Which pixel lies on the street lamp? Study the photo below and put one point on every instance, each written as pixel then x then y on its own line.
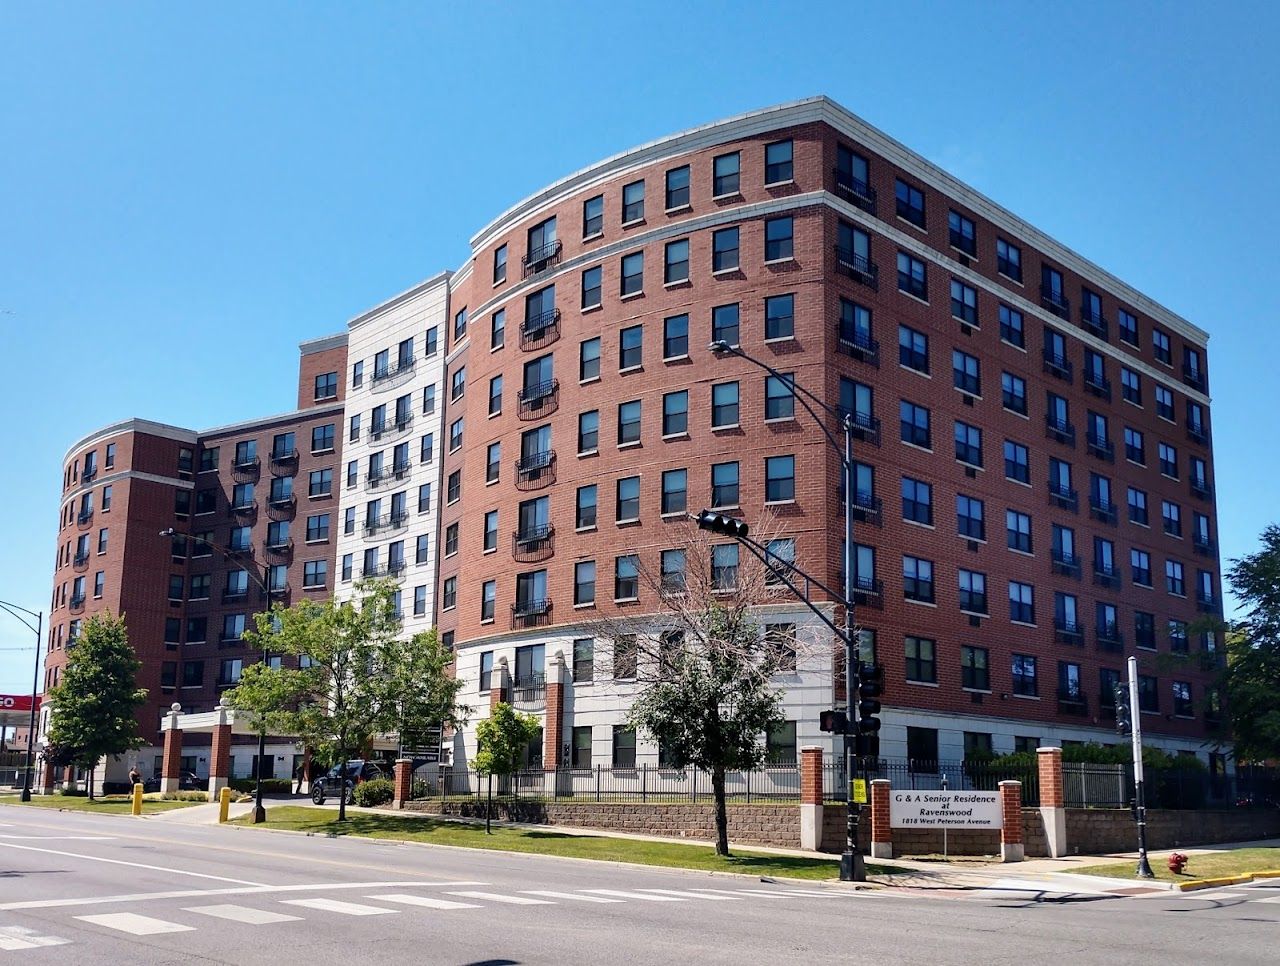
pixel 852 866
pixel 38 630
pixel 259 812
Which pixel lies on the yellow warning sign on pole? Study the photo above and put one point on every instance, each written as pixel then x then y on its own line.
pixel 858 791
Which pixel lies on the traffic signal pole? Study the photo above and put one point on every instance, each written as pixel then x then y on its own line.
pixel 852 866
pixel 1139 791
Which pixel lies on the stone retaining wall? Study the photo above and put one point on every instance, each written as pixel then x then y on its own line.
pixel 1095 830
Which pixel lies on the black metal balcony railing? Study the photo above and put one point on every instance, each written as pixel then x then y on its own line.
pixel 1072 701
pixel 856 191
pixel 1193 377
pixel 1100 386
pixel 536 470
pixel 1060 430
pixel 538 331
pixel 1064 496
pixel 1104 449
pixel 1094 322
pixel 1103 510
pixel 539 400
pixel 1067 632
pixel 89 475
pixel 529 690
pixel 1105 576
pixel 865 426
pixel 77 601
pixel 392 568
pixel 1055 302
pixel 241 469
pixel 858 267
pixel 282 507
pixel 1203 545
pixel 284 458
pixel 389 521
pixel 1206 603
pixel 401 368
pixel 533 543
pixel 866 505
pixel 281 548
pixel 859 344
pixel 81 560
pixel 868 591
pixel 541 258
pixel 84 516
pixel 530 613
pixel 1201 489
pixel 1197 434
pixel 1058 365
pixel 242 509
pixel 375 478
pixel 235 593
pixel 241 550
pixel 1109 638
pixel 1066 564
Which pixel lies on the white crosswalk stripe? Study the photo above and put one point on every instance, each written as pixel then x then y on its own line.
pixel 134 924
pixel 14 938
pixel 338 906
pixel 694 895
pixel 1267 899
pixel 738 892
pixel 498 897
pixel 567 895
pixel 252 917
pixel 424 901
pixel 621 894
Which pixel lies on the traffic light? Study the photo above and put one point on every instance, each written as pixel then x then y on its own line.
pixel 1124 714
pixel 833 721
pixel 719 523
pixel 870 688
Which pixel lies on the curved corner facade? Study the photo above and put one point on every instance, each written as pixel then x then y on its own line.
pixel 1034 487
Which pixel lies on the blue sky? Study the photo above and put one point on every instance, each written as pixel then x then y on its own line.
pixel 186 194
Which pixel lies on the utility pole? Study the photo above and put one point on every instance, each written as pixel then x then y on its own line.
pixel 1140 810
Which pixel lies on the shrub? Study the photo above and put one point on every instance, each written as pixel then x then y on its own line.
pixel 376 792
pixel 270 786
pixel 188 796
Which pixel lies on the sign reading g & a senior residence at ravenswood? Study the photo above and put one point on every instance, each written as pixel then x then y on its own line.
pixel 932 809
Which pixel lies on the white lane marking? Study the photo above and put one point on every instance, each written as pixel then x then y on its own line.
pixel 13 938
pixel 136 865
pixel 201 893
pixel 812 893
pixel 1214 896
pixel 423 901
pixel 621 894
pixel 499 897
pixel 252 917
pixel 134 924
pixel 61 838
pixel 683 894
pixel 1268 899
pixel 738 892
pixel 345 908
pixel 552 894
pixel 788 894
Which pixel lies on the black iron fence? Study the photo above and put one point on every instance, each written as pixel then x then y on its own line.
pixel 1111 786
pixel 973 775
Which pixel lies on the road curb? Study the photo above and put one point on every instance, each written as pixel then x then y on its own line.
pixel 1225 880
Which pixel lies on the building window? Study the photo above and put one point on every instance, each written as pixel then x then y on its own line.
pixel 912 278
pixel 453 490
pixel 460 317
pixel 1160 346
pixel 326 386
pixel 675 413
pixel 585 512
pixel 583 660
pixel 913 349
pixel 627 508
pixel 490 532
pixel 917 501
pixel 632 202
pixel 724 405
pixel 631 347
pixel 318 527
pixel 1130 386
pixel 779 321
pixel 626 586
pixel 724 250
pixel 500 264
pixel 593 217
pixel 1011 330
pixel 914 422
pixel 673 571
pixel 910 202
pixel 592 285
pixel 674 491
pixel 1174 581
pixel 629 422
pixel 961 233
pixel 1182 707
pixel 1013 393
pixel 1022 608
pixel 964 302
pixel 589 360
pixel 1016 462
pixel 1127 323
pixel 1137 506
pixel 498 330
pixel 1024 676
pixel 678 188
pixel 315 574
pixel 450 593
pixel 724 485
pixel 675 337
pixel 584 582
pixel 968 444
pixel 1018 526
pixel 726 170
pixel 320 483
pixel 779 397
pixel 922 667
pixel 777 162
pixel 1008 259
pixel 917 579
pixel 966 374
pixel 973 592
pixel 975 675
pixel 724 324
pixel 321 438
pixel 780 479
pixel 779 238
pixel 1148 693
pixel 493 462
pixel 724 567
pixel 970 517
pixel 632 273
pixel 1164 403
pixel 1144 630
pixel 588 432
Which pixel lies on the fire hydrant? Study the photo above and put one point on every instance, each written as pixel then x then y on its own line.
pixel 1177 862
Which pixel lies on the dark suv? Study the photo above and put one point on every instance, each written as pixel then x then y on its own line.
pixel 357 771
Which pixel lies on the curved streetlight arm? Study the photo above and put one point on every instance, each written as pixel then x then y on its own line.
pixel 720 347
pixel 14 609
pixel 17 610
pixel 765 558
pixel 223 553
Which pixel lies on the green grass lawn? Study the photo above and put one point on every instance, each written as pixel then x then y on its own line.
pixel 1207 866
pixel 542 842
pixel 108 805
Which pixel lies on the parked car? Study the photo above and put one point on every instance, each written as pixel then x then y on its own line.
pixel 358 771
pixel 188 781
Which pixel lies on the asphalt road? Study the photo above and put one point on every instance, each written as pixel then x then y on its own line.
pixel 93 889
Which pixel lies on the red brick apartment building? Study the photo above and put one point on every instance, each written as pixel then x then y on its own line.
pixel 1034 491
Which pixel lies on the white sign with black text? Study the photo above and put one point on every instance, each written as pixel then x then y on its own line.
pixel 934 809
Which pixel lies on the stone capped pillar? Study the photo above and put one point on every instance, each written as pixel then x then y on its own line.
pixel 499 684
pixel 404 782
pixel 220 754
pixel 1052 812
pixel 881 830
pixel 171 762
pixel 553 727
pixel 1011 847
pixel 811 797
pixel 47 782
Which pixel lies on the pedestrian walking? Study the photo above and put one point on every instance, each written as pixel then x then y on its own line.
pixel 135 776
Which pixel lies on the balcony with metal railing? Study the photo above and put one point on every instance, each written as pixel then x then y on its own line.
pixel 84 517
pixel 866 427
pixel 1063 496
pixel 1055 302
pixel 532 612
pixel 81 560
pixel 536 470
pixel 539 331
pixel 856 191
pixel 1067 632
pixel 539 400
pixel 858 267
pixel 233 594
pixel 866 506
pixel 279 550
pixel 1203 545
pixel 1057 365
pixel 529 691
pixel 1067 564
pixel 284 461
pixel 868 592
pixel 1197 434
pixel 1200 489
pixel 246 469
pixel 1106 576
pixel 1095 323
pixel 1104 449
pixel 1099 386
pixel 1193 377
pixel 1109 638
pixel 1102 510
pixel 76 603
pixel 393 375
pixel 385 523
pixel 859 344
pixel 1072 701
pixel 282 507
pixel 245 509
pixel 392 568
pixel 89 475
pixel 1206 603
pixel 533 543
pixel 541 258
pixel 1060 431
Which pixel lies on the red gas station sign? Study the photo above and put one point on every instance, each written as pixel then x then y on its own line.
pixel 17 703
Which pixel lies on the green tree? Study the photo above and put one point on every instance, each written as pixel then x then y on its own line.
pixel 1252 676
pixel 355 679
pixel 94 706
pixel 501 740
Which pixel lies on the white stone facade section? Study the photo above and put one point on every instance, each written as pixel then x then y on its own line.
pixel 389 509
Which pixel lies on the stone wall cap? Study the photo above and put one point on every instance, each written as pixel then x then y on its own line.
pixel 1048 751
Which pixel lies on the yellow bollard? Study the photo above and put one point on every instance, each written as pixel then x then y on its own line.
pixel 137 798
pixel 224 803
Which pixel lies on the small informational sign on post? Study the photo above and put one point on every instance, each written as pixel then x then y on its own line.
pixel 859 789
pixel 937 809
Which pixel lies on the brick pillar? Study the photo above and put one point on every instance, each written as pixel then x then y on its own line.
pixel 553 727
pixel 220 755
pixel 171 761
pixel 1011 849
pixel 404 782
pixel 1052 812
pixel 811 797
pixel 881 831
pixel 46 779
pixel 499 684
